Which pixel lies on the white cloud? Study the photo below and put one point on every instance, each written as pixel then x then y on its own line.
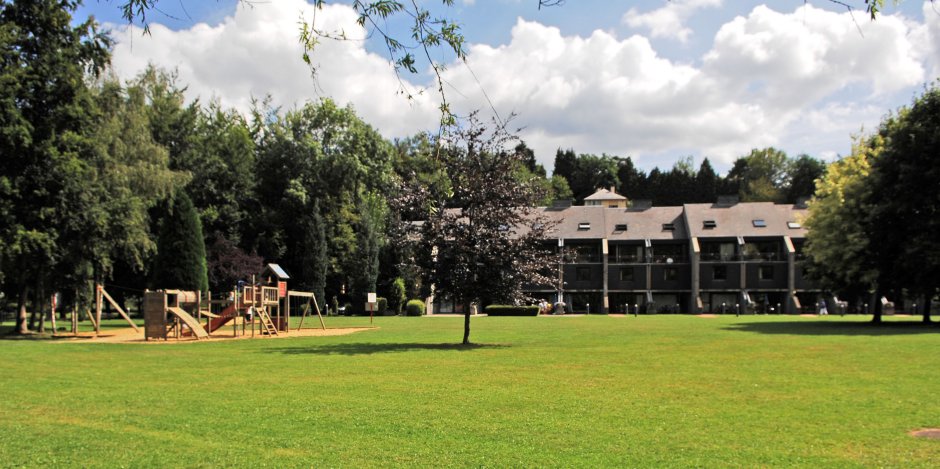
pixel 669 20
pixel 256 52
pixel 802 81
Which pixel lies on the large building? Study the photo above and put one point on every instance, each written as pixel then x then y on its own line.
pixel 718 257
pixel 693 258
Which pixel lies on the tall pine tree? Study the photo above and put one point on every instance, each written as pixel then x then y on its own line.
pixel 181 251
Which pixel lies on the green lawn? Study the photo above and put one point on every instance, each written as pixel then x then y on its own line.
pixel 550 391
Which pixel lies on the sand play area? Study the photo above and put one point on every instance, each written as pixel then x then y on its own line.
pixel 129 335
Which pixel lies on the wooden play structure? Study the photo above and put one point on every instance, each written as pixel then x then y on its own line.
pixel 262 307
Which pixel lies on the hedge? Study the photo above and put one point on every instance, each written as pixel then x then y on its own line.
pixel 414 308
pixel 509 310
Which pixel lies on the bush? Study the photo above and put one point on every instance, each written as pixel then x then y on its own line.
pixel 396 295
pixel 414 308
pixel 509 310
pixel 381 306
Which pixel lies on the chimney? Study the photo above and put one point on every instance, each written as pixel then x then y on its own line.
pixel 613 190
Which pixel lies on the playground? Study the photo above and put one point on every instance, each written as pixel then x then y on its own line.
pixel 262 308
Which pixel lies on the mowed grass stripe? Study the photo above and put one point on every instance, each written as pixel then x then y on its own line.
pixel 583 391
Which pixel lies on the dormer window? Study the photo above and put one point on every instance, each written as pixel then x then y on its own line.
pixel 759 223
pixel 709 224
pixel 584 226
pixel 620 227
pixel 669 227
pixel 794 225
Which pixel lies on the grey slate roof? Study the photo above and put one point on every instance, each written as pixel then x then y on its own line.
pixel 738 220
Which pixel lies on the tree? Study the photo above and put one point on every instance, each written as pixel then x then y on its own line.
pixel 838 247
pixel 804 171
pixel 488 247
pixel 46 110
pixel 227 264
pixel 565 163
pixel 631 178
pixel 315 259
pixel 181 251
pixel 706 182
pixel 904 204
pixel 590 173
pixel 762 175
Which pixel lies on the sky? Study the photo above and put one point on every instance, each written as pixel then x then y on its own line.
pixel 653 80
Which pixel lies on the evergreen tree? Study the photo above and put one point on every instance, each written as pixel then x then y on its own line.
pixel 314 254
pixel 706 183
pixel 181 251
pixel 631 178
pixel 565 163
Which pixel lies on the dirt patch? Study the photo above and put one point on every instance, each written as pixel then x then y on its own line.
pixel 808 315
pixel 129 335
pixel 707 315
pixel 929 433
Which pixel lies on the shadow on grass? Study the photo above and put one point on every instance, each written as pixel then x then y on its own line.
pixel 838 328
pixel 366 348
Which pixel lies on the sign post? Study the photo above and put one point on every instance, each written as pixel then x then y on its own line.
pixel 371 299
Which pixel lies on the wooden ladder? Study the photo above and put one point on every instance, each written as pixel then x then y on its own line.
pixel 266 321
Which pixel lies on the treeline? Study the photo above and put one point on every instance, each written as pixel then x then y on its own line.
pixel 764 175
pixel 126 183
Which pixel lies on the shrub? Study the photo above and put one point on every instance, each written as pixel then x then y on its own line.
pixel 509 310
pixel 382 305
pixel 414 308
pixel 396 295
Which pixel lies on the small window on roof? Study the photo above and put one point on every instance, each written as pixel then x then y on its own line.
pixel 709 224
pixel 620 227
pixel 584 226
pixel 794 225
pixel 503 227
pixel 759 223
pixel 669 226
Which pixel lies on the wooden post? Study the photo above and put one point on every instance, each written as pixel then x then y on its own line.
pixel 116 306
pixel 75 318
pixel 317 306
pixel 91 318
pixel 97 309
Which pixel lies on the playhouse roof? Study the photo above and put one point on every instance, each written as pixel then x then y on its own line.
pixel 276 270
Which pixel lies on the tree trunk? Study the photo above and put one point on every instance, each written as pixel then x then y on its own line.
pixel 876 303
pixel 927 300
pixel 466 324
pixel 40 309
pixel 20 327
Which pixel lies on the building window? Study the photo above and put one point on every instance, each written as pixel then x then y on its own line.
pixel 669 227
pixel 720 272
pixel 583 253
pixel 620 227
pixel 670 274
pixel 624 253
pixel 709 224
pixel 626 274
pixel 759 223
pixel 583 274
pixel 765 272
pixel 584 226
pixel 794 225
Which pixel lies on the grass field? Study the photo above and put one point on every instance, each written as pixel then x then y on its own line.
pixel 550 391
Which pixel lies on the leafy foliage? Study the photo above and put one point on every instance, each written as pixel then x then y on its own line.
pixel 181 251
pixel 489 244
